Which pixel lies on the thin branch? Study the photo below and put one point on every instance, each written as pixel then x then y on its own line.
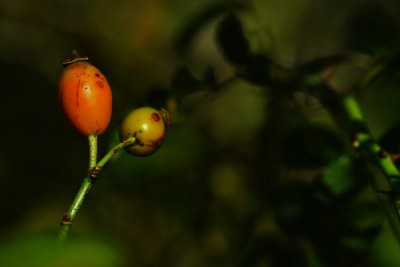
pixel 115 150
pixel 92 138
pixel 363 140
pixel 87 184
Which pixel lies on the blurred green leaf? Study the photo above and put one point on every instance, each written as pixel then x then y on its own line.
pixel 197 22
pixel 183 82
pixel 232 40
pixel 183 148
pixel 311 146
pixel 372 27
pixel 43 251
pixel 340 176
pixel 385 250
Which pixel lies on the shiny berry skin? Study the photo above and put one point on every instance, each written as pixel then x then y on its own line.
pixel 148 126
pixel 85 96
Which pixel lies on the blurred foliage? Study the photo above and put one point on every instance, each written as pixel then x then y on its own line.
pixel 41 251
pixel 256 169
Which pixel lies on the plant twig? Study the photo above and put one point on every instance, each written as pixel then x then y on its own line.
pixel 364 140
pixel 92 138
pixel 88 181
pixel 115 150
pixel 66 221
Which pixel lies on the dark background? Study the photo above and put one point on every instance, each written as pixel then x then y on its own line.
pixel 248 175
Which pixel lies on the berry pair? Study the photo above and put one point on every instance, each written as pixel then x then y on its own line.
pixel 86 100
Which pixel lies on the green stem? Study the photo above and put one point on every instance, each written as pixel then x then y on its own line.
pixel 87 184
pixel 363 140
pixel 88 181
pixel 68 218
pixel 115 150
pixel 92 138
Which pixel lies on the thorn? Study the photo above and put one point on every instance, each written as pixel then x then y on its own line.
pixel 394 157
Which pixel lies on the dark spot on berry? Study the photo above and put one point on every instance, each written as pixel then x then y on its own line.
pixel 137 141
pixel 98 126
pixel 155 117
pixel 97 75
pixel 100 84
pixel 157 143
pixel 77 93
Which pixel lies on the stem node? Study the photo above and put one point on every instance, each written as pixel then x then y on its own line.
pixel 94 173
pixel 66 220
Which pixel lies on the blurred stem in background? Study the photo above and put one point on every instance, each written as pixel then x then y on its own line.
pixel 364 141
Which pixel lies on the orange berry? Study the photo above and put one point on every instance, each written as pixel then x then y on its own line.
pixel 85 96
